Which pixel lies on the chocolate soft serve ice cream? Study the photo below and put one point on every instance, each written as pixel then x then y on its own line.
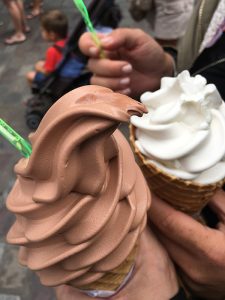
pixel 181 140
pixel 80 199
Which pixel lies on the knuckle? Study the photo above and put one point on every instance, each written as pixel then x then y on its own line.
pixel 93 80
pixel 138 31
pixel 217 258
pixel 90 64
pixel 197 276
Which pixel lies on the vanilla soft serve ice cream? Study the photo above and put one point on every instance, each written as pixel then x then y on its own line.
pixel 183 132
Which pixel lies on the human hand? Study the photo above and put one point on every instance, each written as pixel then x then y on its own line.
pixel 39 66
pixel 198 250
pixel 134 61
pixel 153 278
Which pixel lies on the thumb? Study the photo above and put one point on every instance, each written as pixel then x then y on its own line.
pixel 176 225
pixel 124 38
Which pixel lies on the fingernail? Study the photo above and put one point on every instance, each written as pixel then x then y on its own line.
pixel 125 80
pixel 127 69
pixel 126 91
pixel 93 50
pixel 106 40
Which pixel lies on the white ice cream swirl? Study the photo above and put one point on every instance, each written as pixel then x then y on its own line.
pixel 184 130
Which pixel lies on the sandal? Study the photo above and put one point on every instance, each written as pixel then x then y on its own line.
pixel 13 40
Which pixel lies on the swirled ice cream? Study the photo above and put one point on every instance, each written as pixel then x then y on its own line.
pixel 80 199
pixel 183 132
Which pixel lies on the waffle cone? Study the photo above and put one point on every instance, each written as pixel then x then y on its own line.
pixel 112 280
pixel 184 195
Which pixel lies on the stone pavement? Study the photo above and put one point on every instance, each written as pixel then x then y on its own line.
pixel 16 282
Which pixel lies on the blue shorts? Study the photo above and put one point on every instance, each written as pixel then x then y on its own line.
pixel 39 78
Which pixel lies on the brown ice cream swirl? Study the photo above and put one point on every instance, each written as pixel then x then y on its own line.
pixel 80 199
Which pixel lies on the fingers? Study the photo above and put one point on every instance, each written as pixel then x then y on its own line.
pixel 117 85
pixel 121 37
pixel 111 74
pixel 87 45
pixel 65 292
pixel 185 232
pixel 109 68
pixel 179 227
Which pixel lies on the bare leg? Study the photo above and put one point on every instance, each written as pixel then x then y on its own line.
pixel 36 10
pixel 31 4
pixel 30 77
pixel 15 13
pixel 37 6
pixel 20 5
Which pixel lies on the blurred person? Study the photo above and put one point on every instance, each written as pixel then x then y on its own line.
pixel 167 19
pixel 16 10
pixel 35 9
pixel 54 28
pixel 74 64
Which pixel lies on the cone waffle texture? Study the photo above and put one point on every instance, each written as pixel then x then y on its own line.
pixel 112 280
pixel 184 195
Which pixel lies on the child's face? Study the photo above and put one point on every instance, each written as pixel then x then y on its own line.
pixel 47 35
pixel 44 34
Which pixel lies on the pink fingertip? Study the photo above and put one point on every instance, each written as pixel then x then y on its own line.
pixel 125 91
pixel 127 69
pixel 125 80
pixel 93 50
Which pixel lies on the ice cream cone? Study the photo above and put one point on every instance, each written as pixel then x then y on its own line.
pixel 86 204
pixel 113 280
pixel 184 195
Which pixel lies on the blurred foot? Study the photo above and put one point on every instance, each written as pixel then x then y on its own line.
pixel 15 39
pixel 33 14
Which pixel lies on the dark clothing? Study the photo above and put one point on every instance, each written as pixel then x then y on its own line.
pixel 211 65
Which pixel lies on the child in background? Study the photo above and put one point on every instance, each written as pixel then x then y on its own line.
pixel 54 28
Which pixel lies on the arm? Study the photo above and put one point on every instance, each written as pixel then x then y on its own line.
pixel 198 250
pixel 134 61
pixel 50 63
pixel 39 66
pixel 154 276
